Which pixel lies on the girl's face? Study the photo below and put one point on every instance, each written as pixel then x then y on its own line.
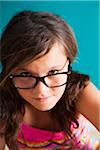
pixel 42 97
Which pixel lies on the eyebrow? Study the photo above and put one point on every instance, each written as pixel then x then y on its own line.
pixel 59 67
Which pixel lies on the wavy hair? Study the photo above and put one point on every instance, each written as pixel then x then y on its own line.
pixel 30 35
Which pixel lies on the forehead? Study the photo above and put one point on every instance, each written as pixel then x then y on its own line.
pixel 55 57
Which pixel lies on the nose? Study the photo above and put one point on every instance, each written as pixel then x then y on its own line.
pixel 41 90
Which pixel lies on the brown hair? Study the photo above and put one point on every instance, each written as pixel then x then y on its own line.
pixel 26 36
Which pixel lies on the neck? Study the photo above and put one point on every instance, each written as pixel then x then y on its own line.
pixel 40 119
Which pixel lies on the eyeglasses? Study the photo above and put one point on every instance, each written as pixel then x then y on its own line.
pixel 30 81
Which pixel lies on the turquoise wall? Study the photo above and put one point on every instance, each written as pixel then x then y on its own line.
pixel 83 16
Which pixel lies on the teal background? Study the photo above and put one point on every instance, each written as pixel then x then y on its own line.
pixel 83 16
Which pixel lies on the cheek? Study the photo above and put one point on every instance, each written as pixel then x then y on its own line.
pixel 58 92
pixel 24 94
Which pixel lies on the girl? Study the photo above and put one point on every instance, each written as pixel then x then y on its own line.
pixel 42 98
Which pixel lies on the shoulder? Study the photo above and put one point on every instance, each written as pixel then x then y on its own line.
pixel 90 91
pixel 89 95
pixel 88 103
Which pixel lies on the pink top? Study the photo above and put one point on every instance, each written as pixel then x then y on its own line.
pixel 38 139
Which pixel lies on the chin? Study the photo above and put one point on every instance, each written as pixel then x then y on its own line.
pixel 44 108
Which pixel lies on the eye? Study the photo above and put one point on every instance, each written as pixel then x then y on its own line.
pixel 25 74
pixel 51 72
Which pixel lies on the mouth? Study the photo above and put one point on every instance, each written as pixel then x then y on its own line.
pixel 42 99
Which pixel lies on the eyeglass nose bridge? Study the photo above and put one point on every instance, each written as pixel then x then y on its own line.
pixel 38 79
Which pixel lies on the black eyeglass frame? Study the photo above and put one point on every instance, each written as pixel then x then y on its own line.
pixel 42 79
